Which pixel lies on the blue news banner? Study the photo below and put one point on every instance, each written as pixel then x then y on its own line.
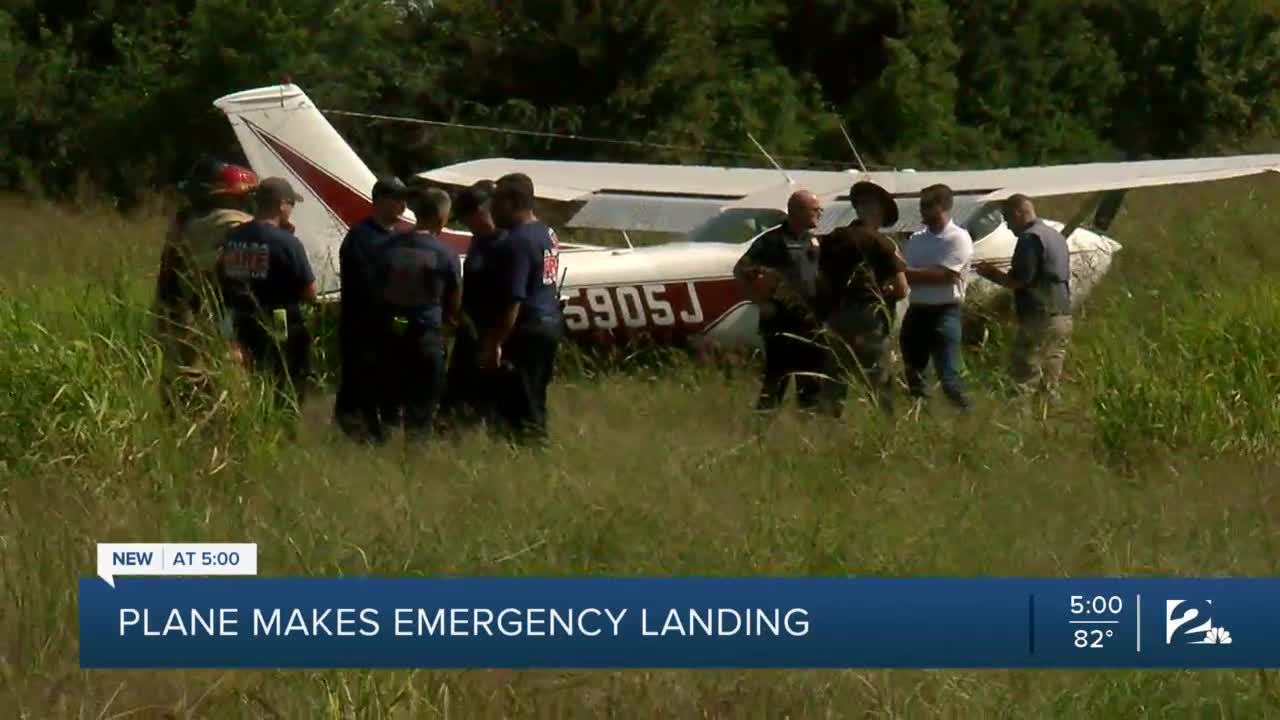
pixel 257 622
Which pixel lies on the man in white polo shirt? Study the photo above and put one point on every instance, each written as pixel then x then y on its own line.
pixel 937 259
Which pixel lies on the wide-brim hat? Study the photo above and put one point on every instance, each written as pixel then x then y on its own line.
pixel 888 205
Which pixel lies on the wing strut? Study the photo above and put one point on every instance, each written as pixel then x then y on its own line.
pixel 1089 206
pixel 1108 209
pixel 1104 206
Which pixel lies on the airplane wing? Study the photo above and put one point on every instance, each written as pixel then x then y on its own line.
pixel 1050 188
pixel 680 198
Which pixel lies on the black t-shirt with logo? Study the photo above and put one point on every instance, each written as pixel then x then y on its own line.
pixel 526 267
pixel 416 271
pixel 262 268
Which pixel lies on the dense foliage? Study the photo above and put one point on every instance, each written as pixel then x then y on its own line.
pixel 116 95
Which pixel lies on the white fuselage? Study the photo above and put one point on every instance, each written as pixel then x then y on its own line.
pixel 676 293
pixel 686 291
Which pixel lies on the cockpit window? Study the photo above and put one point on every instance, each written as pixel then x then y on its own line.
pixel 985 221
pixel 735 226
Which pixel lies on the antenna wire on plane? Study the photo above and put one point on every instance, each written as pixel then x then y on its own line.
pixel 571 136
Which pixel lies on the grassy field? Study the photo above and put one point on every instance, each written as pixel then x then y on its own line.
pixel 1160 461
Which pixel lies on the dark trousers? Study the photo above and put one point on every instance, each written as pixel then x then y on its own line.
pixel 361 407
pixel 528 360
pixel 286 362
pixel 933 332
pixel 414 377
pixel 469 396
pixel 786 353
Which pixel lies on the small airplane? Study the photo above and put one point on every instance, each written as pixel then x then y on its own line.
pixel 683 292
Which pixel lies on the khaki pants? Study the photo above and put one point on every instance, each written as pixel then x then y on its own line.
pixel 1038 353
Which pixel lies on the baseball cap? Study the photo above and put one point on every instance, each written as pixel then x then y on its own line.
pixel 389 187
pixel 277 189
pixel 470 200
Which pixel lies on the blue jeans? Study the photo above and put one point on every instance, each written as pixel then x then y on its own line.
pixel 933 332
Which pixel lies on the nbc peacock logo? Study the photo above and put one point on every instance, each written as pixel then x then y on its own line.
pixel 1190 622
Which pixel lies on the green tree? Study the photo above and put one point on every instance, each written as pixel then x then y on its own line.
pixel 662 71
pixel 1038 81
pixel 908 113
pixel 1198 76
pixel 120 92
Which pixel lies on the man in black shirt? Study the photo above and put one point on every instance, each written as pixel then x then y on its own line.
pixel 469 395
pixel 779 273
pixel 527 330
pixel 419 284
pixel 266 277
pixel 357 408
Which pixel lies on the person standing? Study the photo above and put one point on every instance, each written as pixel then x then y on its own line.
pixel 526 333
pixel 419 286
pixel 1040 277
pixel 469 396
pixel 266 277
pixel 357 408
pixel 217 197
pixel 861 278
pixel 937 258
pixel 779 274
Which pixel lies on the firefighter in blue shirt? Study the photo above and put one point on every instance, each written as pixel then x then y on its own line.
pixel 358 407
pixel 469 396
pixel 419 286
pixel 523 341
pixel 264 273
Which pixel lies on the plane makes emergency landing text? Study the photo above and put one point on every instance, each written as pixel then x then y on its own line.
pixel 465 622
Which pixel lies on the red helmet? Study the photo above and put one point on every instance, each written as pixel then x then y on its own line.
pixel 233 180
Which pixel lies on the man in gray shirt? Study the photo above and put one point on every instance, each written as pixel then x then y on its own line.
pixel 1040 277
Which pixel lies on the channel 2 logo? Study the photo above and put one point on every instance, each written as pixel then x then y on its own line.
pixel 1189 623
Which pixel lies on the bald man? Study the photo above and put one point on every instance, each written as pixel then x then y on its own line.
pixel 1040 277
pixel 779 273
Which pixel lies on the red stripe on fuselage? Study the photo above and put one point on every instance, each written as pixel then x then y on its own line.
pixel 347 205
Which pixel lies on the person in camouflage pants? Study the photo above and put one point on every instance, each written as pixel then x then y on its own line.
pixel 860 279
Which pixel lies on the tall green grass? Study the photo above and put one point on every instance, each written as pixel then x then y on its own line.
pixel 1159 461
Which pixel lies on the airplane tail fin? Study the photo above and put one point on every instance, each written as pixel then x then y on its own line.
pixel 283 134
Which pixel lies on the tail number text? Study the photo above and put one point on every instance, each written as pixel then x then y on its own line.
pixel 629 306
